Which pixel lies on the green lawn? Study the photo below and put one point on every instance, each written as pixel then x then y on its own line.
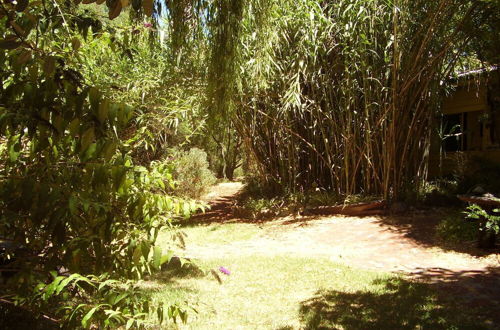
pixel 221 233
pixel 291 292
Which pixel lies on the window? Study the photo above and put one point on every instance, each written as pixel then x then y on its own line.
pixel 454 128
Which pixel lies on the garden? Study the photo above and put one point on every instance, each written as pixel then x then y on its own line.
pixel 234 164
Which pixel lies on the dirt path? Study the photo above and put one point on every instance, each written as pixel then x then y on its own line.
pixel 405 245
pixel 368 242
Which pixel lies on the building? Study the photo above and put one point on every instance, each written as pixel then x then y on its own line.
pixel 469 128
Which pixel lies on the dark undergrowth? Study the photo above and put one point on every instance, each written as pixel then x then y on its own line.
pixel 16 318
pixel 260 200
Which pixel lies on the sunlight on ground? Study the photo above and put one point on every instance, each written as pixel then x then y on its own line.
pixel 221 233
pixel 261 292
pixel 293 291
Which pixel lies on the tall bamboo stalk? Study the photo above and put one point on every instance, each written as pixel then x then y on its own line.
pixel 341 94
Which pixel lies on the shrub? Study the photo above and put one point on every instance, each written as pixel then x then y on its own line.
pixel 441 193
pixel 491 222
pixel 454 228
pixel 71 193
pixel 192 175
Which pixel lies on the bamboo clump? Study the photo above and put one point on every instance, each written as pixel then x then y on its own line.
pixel 343 95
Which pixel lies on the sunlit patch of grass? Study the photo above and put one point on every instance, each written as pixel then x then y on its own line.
pixel 261 292
pixel 215 233
pixel 295 292
pixel 290 292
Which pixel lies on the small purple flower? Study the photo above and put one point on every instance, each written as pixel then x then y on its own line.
pixel 148 25
pixel 224 270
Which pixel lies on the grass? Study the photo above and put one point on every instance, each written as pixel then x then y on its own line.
pixel 292 292
pixel 220 233
pixel 211 234
pixel 261 292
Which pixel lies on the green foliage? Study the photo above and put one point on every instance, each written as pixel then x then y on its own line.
pixel 331 95
pixel 483 31
pixel 71 191
pixel 224 22
pixel 262 208
pixel 454 228
pixel 165 99
pixel 104 302
pixel 266 200
pixel 341 94
pixel 439 193
pixel 192 176
pixel 487 221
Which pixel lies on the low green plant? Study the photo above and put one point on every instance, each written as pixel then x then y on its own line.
pixel 262 208
pixel 103 302
pixel 487 221
pixel 265 208
pixel 455 229
pixel 441 192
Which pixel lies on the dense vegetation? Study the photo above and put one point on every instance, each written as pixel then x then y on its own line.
pixel 347 92
pixel 106 105
pixel 86 183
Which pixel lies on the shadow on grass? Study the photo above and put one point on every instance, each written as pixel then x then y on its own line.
pixel 477 288
pixel 398 304
pixel 174 270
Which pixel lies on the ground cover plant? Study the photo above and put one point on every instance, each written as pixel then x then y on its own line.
pixel 456 229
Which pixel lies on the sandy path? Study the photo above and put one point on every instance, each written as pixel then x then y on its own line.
pixel 367 242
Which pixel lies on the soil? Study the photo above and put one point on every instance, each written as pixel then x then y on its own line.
pixel 405 244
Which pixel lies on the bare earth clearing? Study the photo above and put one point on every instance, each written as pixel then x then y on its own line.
pixel 404 244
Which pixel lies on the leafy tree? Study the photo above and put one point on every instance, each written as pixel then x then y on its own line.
pixel 71 192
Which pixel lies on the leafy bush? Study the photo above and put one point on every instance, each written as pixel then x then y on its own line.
pixel 71 191
pixel 260 208
pixel 260 199
pixel 440 193
pixel 487 221
pixel 103 302
pixel 454 228
pixel 256 187
pixel 192 175
pixel 255 207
